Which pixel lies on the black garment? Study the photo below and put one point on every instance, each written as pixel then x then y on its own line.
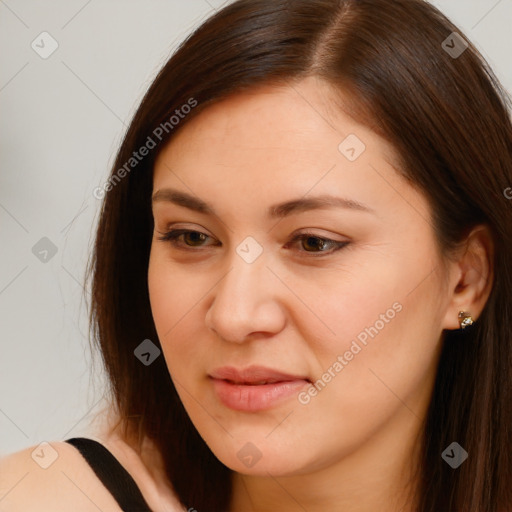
pixel 114 477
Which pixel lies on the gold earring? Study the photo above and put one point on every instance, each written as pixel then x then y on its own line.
pixel 465 319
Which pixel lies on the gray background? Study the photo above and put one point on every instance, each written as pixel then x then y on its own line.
pixel 61 121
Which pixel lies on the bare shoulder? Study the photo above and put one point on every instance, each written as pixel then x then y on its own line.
pixel 55 477
pixel 51 477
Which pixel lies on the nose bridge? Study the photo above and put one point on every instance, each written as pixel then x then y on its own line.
pixel 247 273
pixel 244 300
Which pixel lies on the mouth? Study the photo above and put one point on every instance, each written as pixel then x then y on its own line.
pixel 255 388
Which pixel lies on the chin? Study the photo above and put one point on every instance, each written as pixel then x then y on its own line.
pixel 258 456
pixel 268 465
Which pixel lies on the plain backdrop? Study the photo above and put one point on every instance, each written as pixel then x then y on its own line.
pixel 61 121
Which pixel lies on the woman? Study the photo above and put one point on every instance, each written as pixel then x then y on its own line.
pixel 301 280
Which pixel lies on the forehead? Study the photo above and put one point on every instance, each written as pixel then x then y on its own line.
pixel 304 115
pixel 273 141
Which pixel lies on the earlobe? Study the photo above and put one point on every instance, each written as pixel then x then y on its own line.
pixel 474 268
pixel 465 319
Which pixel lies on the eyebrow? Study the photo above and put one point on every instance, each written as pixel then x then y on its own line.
pixel 275 211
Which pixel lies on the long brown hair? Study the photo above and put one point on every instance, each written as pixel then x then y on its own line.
pixel 449 119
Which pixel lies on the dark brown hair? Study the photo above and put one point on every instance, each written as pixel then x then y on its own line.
pixel 448 118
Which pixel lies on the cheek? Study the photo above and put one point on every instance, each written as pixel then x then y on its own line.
pixel 384 354
pixel 169 295
pixel 356 301
pixel 176 294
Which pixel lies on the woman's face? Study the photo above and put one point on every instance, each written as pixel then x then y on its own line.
pixel 300 315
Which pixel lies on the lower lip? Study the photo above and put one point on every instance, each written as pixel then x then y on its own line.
pixel 258 397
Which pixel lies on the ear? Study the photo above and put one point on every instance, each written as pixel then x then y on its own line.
pixel 471 276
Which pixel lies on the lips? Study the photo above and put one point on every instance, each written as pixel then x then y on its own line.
pixel 254 388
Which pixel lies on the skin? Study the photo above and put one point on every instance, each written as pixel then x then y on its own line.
pixel 69 482
pixel 352 446
pixel 296 311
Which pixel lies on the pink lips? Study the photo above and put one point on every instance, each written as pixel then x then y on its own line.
pixel 254 388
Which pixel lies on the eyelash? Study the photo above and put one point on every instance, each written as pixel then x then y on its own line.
pixel 173 235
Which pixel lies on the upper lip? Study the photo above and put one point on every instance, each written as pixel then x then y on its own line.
pixel 253 374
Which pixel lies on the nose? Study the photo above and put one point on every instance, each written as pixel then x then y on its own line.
pixel 246 302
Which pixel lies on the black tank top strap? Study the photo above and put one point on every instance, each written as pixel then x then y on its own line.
pixel 112 474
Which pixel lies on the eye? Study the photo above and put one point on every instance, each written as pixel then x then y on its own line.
pixel 173 236
pixel 311 243
pixel 318 243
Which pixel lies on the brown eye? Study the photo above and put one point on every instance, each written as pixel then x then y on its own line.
pixel 194 237
pixel 316 244
pixel 190 238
